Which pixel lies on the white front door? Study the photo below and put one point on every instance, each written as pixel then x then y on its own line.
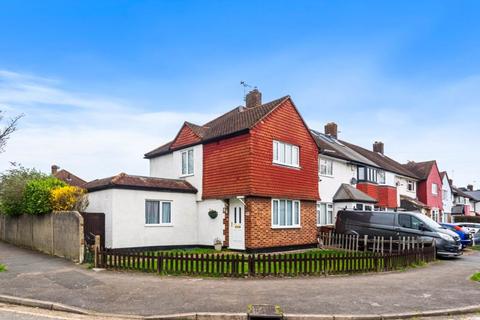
pixel 237 225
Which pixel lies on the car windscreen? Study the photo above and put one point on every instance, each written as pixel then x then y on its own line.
pixel 429 222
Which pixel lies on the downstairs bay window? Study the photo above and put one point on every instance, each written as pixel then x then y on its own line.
pixel 285 213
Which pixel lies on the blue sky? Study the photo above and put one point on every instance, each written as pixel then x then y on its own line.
pixel 102 82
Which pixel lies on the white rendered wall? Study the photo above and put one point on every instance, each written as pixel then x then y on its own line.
pixel 342 173
pixel 170 166
pixel 128 219
pixel 102 201
pixel 448 200
pixel 208 228
pixel 402 184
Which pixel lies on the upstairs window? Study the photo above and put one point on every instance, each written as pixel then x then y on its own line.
pixel 411 185
pixel 187 162
pixel 434 189
pixel 326 167
pixel 367 174
pixel 286 154
pixel 381 176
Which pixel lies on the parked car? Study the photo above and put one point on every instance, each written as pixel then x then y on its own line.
pixel 399 224
pixel 464 234
pixel 470 226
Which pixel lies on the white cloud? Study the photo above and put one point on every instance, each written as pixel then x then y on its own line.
pixel 91 136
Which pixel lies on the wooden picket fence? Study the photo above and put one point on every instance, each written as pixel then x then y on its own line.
pixel 373 244
pixel 242 265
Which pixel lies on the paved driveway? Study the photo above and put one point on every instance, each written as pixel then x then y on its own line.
pixel 442 285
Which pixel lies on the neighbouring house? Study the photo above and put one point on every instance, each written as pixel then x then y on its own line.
pixel 67 177
pixel 429 189
pixel 474 199
pixel 379 180
pixel 461 202
pixel 248 178
pixel 447 197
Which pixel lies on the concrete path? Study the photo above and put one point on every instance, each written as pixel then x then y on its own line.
pixel 442 285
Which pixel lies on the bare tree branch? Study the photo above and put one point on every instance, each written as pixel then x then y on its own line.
pixel 6 131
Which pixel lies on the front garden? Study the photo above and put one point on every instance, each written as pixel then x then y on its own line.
pixel 205 262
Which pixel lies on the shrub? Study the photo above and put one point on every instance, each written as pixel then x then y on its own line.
pixel 37 194
pixel 3 267
pixel 68 198
pixel 12 187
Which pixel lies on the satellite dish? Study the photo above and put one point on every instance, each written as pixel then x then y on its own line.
pixel 353 181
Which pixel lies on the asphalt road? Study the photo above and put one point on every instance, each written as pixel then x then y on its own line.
pixel 441 285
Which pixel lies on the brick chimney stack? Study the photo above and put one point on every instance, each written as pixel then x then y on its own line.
pixel 379 147
pixel 470 187
pixel 253 99
pixel 331 129
pixel 54 169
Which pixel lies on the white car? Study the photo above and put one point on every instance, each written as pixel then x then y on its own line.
pixel 471 227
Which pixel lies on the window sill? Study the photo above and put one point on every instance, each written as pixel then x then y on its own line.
pixel 187 175
pixel 286 227
pixel 286 165
pixel 158 225
pixel 326 175
pixel 326 225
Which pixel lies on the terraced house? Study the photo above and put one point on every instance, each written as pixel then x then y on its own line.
pixel 353 177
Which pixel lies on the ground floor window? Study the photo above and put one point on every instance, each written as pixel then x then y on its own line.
pixel 363 207
pixel 444 217
pixel 435 215
pixel 158 212
pixel 324 213
pixel 285 213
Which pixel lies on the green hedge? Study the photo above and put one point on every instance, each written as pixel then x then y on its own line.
pixel 37 195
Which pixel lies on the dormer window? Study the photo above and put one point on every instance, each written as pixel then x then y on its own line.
pixel 286 154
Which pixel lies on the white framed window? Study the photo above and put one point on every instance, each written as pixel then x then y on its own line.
pixel 434 189
pixel 286 154
pixel 158 212
pixel 367 174
pixel 326 167
pixel 285 213
pixel 324 213
pixel 187 162
pixel 381 176
pixel 435 215
pixel 411 185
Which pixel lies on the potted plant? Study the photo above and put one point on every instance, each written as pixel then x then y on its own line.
pixel 217 243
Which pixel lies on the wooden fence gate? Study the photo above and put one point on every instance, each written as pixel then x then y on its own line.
pixel 94 225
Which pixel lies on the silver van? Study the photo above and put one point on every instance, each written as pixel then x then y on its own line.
pixel 399 224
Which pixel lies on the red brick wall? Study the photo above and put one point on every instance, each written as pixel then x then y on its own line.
pixel 226 167
pixel 284 124
pixel 185 137
pixel 369 188
pixel 258 225
pixel 387 197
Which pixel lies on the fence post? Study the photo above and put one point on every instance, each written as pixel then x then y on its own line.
pixel 96 249
pixel 251 265
pixel 365 243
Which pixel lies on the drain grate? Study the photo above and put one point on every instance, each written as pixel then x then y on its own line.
pixel 264 311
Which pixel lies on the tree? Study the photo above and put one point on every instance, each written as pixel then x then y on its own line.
pixel 12 187
pixel 37 194
pixel 8 129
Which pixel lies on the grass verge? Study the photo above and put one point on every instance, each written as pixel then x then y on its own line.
pixel 475 277
pixel 476 248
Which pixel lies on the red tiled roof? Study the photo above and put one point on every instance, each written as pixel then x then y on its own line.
pixel 421 169
pixel 70 178
pixel 235 121
pixel 125 181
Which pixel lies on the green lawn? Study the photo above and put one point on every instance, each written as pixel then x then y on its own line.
pixel 475 277
pixel 3 267
pixel 213 263
pixel 476 248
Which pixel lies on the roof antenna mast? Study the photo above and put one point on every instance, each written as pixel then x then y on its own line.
pixel 245 86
